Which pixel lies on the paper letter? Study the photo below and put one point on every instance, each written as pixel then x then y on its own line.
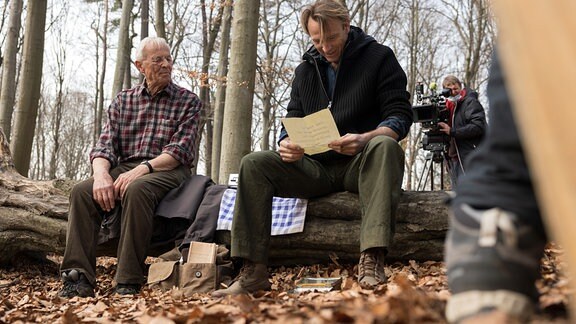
pixel 313 132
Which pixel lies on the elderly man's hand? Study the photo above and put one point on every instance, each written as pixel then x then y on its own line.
pixel 124 180
pixel 103 191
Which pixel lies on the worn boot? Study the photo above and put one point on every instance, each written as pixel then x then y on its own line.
pixel 75 284
pixel 492 261
pixel 371 268
pixel 253 277
pixel 127 289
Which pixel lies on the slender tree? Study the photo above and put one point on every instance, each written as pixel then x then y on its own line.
pixel 8 94
pixel 57 110
pixel 101 35
pixel 144 21
pixel 159 19
pixel 29 91
pixel 211 23
pixel 240 90
pixel 221 89
pixel 123 52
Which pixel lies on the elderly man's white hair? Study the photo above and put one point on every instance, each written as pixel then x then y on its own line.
pixel 149 42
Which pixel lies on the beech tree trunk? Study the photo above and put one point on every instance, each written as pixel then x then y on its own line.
pixel 27 104
pixel 33 216
pixel 236 129
pixel 9 65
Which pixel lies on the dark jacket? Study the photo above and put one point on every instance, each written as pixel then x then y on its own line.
pixel 468 125
pixel 370 89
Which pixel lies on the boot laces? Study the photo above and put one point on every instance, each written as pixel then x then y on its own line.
pixel 247 271
pixel 69 287
pixel 367 264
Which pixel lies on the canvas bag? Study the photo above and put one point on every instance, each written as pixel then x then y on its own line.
pixel 189 278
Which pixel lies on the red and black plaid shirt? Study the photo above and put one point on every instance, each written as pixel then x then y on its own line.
pixel 142 127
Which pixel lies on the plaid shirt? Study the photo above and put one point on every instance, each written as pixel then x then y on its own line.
pixel 142 127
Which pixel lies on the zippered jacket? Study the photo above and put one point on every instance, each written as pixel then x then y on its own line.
pixel 370 89
pixel 468 125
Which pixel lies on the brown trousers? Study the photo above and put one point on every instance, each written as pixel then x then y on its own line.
pixel 137 210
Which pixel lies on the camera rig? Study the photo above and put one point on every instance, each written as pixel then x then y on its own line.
pixel 429 111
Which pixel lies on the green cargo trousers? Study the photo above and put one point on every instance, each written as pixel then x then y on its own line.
pixel 137 212
pixel 375 174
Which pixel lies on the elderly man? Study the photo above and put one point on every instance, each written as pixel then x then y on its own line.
pixel 363 85
pixel 145 150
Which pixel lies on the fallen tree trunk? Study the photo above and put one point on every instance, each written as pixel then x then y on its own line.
pixel 332 230
pixel 33 217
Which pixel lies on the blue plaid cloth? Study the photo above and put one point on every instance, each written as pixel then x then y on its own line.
pixel 288 214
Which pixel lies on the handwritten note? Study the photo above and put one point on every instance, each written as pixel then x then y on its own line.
pixel 313 132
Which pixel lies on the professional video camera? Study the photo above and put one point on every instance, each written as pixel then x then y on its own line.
pixel 429 111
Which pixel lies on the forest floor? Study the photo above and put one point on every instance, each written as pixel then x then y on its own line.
pixel 416 293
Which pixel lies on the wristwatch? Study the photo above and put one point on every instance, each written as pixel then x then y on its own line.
pixel 147 163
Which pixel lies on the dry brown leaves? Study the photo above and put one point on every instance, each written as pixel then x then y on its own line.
pixel 416 293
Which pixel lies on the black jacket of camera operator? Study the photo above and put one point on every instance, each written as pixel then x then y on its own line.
pixel 468 126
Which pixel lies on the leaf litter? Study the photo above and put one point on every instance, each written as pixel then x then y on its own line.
pixel 416 292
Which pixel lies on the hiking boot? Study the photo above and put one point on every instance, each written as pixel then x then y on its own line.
pixel 492 261
pixel 253 277
pixel 371 268
pixel 75 284
pixel 127 289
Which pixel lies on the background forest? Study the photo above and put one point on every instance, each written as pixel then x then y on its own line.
pixel 84 47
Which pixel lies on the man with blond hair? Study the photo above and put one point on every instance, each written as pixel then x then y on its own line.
pixel 363 85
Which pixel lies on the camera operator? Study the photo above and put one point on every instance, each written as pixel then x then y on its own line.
pixel 466 125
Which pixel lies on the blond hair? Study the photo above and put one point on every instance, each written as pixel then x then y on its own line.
pixel 321 11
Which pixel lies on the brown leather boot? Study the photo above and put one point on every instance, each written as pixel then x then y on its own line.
pixel 253 277
pixel 371 268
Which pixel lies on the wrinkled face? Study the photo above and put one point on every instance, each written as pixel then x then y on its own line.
pixel 156 66
pixel 331 46
pixel 454 89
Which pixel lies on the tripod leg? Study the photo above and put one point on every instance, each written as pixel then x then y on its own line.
pixel 424 174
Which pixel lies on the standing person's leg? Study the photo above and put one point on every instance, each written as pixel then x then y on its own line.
pixel 496 237
pixel 138 210
pixel 376 174
pixel 455 172
pixel 264 175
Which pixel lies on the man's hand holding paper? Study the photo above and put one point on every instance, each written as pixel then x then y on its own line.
pixel 314 132
pixel 349 144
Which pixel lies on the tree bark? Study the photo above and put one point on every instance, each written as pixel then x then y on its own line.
pixel 159 15
pixel 221 92
pixel 9 68
pixel 123 52
pixel 29 90
pixel 236 135
pixel 144 20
